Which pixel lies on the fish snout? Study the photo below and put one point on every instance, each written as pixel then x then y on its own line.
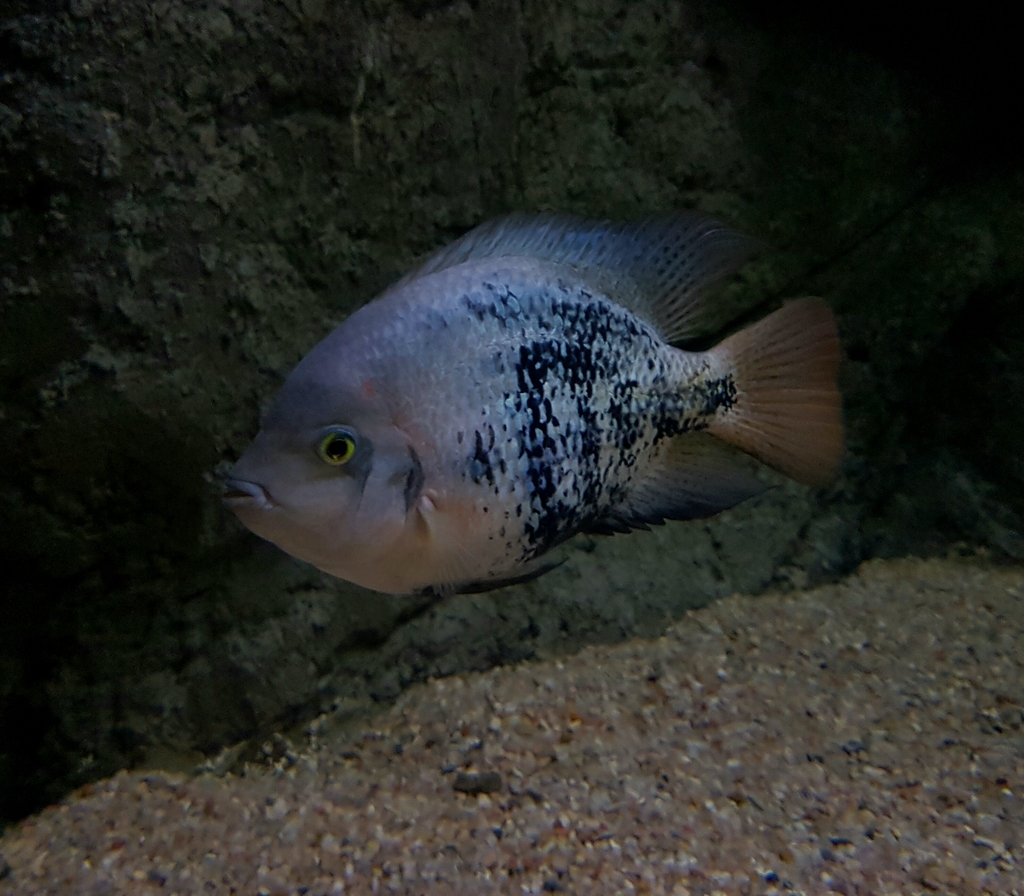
pixel 240 494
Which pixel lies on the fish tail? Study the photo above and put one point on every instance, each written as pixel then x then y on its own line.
pixel 787 410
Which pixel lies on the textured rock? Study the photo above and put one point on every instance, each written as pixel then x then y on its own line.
pixel 192 193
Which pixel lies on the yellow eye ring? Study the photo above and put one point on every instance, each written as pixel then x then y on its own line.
pixel 337 448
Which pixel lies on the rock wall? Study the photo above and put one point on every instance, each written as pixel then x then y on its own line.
pixel 192 193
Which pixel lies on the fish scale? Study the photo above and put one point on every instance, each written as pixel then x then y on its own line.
pixel 580 393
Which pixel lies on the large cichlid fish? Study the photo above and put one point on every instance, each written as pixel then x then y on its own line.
pixel 521 387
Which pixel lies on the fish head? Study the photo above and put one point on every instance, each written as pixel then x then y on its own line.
pixel 330 477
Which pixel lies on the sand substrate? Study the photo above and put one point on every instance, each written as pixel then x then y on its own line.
pixel 861 738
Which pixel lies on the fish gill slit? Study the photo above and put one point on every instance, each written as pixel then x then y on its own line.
pixel 414 480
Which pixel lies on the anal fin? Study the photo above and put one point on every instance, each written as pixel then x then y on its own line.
pixel 693 477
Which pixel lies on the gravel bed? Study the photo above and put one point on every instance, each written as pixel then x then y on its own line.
pixel 861 738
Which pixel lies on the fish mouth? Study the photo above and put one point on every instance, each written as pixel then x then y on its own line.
pixel 240 493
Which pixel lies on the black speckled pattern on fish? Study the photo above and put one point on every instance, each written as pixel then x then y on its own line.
pixel 588 392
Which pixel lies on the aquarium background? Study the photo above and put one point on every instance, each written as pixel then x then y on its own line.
pixel 193 193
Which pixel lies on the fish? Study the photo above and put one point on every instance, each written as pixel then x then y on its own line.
pixel 530 382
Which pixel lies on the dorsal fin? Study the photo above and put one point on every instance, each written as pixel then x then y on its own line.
pixel 662 268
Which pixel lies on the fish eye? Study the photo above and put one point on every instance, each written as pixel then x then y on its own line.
pixel 337 447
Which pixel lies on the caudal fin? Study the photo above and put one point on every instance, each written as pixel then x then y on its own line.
pixel 788 411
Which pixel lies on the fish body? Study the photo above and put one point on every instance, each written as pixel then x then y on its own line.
pixel 520 388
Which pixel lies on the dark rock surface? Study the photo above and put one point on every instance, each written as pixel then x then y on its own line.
pixel 192 193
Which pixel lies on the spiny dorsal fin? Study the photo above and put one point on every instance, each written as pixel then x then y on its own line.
pixel 662 268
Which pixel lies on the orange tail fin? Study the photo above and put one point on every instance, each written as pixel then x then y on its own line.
pixel 788 411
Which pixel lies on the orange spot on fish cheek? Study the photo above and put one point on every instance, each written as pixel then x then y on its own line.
pixel 367 390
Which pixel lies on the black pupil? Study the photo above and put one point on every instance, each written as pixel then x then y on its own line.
pixel 337 447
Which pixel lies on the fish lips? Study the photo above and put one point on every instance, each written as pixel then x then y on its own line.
pixel 240 494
